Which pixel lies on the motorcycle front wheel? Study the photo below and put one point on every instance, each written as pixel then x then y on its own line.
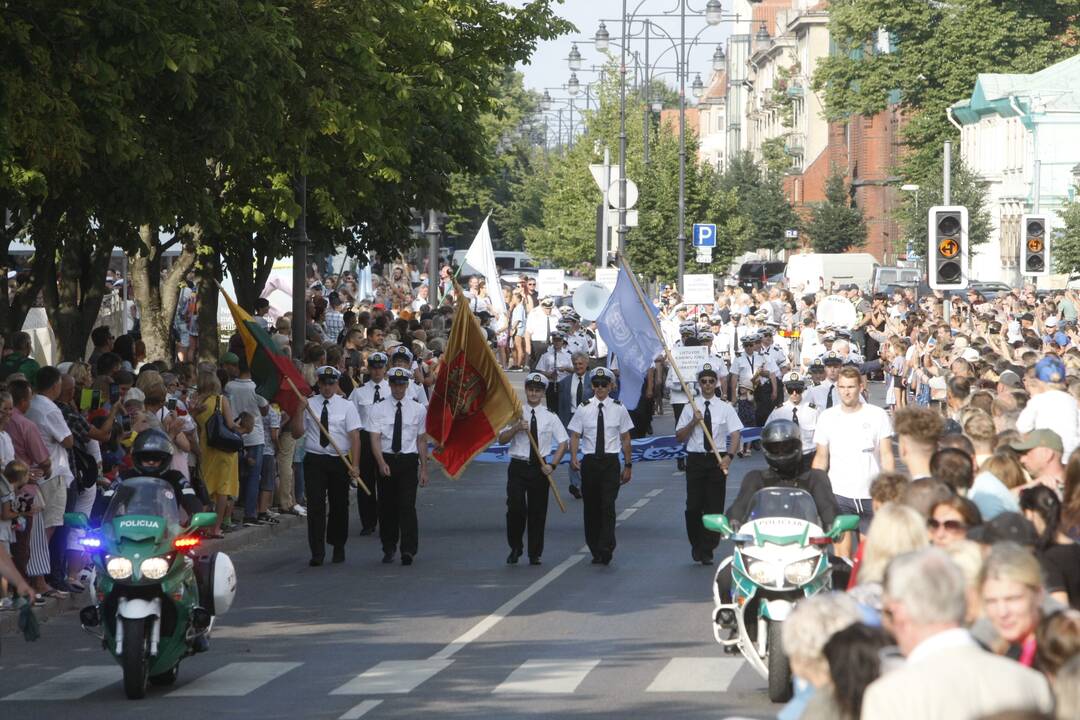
pixel 166 678
pixel 135 658
pixel 779 666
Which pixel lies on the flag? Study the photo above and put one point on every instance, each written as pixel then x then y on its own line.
pixel 481 256
pixel 472 398
pixel 270 367
pixel 627 330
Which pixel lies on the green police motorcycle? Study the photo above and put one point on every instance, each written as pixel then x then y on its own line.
pixel 156 596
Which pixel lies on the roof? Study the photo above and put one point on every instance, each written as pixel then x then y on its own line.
pixel 718 87
pixel 1056 87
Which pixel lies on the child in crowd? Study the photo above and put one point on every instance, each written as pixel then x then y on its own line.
pixel 15 504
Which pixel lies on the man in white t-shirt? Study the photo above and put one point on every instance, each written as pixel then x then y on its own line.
pixel 45 413
pixel 854 444
pixel 1050 407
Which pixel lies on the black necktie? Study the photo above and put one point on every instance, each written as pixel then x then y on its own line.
pixel 709 447
pixel 324 418
pixel 395 442
pixel 580 390
pixel 535 433
pixel 828 403
pixel 600 442
pixel 795 415
pixel 378 397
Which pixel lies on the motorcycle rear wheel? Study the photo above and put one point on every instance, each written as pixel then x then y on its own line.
pixel 135 657
pixel 780 688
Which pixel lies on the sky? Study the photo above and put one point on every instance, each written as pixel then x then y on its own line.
pixel 548 67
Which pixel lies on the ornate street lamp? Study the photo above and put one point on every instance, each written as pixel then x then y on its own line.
pixel 574 59
pixel 697 87
pixel 762 33
pixel 546 103
pixel 602 38
pixel 719 59
pixel 573 85
pixel 714 13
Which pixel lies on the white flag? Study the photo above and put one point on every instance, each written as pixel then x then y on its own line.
pixel 481 256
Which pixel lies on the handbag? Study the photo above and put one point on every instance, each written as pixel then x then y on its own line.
pixel 85 469
pixel 218 434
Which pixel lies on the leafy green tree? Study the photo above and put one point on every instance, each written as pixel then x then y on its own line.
pixel 837 224
pixel 1065 245
pixel 762 201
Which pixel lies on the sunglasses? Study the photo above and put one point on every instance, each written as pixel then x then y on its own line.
pixel 603 383
pixel 950 525
pixel 707 381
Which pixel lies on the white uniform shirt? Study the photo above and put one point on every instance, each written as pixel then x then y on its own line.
pixel 778 355
pixel 538 324
pixel 548 428
pixel 364 398
pixel 747 365
pixel 819 395
pixel 413 419
pixel 616 422
pixel 853 439
pixel 724 422
pixel 555 360
pixel 1052 410
pixel 344 418
pixel 807 420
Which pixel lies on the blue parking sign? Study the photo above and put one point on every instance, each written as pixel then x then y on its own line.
pixel 704 235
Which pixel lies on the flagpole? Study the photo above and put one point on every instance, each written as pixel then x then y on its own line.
pixel 551 480
pixel 333 443
pixel 667 352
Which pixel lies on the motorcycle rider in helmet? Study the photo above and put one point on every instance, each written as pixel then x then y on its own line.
pixel 151 455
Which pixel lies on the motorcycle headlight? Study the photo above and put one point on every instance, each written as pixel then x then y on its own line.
pixel 801 572
pixel 154 568
pixel 761 572
pixel 119 568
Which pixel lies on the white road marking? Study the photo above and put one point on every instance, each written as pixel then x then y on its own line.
pixel 654 493
pixel 361 710
pixel 625 514
pixel 393 677
pixel 477 630
pixel 72 685
pixel 640 503
pixel 235 679
pixel 696 675
pixel 547 677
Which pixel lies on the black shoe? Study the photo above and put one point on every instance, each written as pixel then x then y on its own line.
pixel 406 559
pixel 512 558
pixel 606 558
pixel 387 558
pixel 315 562
pixel 339 555
pixel 368 531
pixel 575 491
pixel 695 554
pixel 252 522
pixel 534 561
pixel 596 560
pixel 706 559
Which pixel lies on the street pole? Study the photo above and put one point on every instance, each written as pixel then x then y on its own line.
pixel 432 232
pixel 607 201
pixel 646 94
pixel 558 144
pixel 682 143
pixel 622 136
pixel 946 196
pixel 570 139
pixel 299 298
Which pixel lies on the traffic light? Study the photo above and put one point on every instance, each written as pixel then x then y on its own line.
pixel 947 258
pixel 1034 246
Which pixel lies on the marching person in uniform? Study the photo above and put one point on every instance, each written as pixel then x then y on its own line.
pixel 676 395
pixel 365 397
pixel 759 372
pixel 400 447
pixel 602 428
pixel 706 479
pixel 574 390
pixel 527 476
pixel 555 364
pixel 402 357
pixel 800 411
pixel 824 395
pixel 326 475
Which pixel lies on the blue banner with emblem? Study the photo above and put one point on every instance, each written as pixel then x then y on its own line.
pixel 627 329
pixel 660 447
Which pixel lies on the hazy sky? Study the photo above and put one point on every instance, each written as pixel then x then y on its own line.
pixel 548 65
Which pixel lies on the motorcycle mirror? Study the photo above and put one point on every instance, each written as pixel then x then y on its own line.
pixel 717 523
pixel 842 524
pixel 203 519
pixel 76 520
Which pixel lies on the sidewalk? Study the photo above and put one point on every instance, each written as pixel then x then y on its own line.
pixel 231 543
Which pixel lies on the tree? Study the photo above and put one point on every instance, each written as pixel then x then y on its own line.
pixel 967 190
pixel 1065 245
pixel 762 201
pixel 837 224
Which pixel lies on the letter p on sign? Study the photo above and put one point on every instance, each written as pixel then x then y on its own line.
pixel 704 235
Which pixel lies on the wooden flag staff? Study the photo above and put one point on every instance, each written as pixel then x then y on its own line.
pixel 670 359
pixel 550 479
pixel 333 443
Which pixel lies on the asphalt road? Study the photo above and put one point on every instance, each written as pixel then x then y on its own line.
pixel 458 634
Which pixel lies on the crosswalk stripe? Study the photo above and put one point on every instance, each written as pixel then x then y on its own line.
pixel 361 710
pixel 393 677
pixel 547 676
pixel 235 679
pixel 72 685
pixel 696 674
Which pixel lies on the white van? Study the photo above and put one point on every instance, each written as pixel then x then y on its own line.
pixel 812 271
pixel 508 261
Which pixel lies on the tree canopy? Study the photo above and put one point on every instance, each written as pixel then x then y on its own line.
pixel 837 224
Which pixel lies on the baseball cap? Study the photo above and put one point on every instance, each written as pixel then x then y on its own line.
pixel 1041 437
pixel 1061 339
pixel 1050 322
pixel 134 395
pixel 1009 379
pixel 601 375
pixel 1050 369
pixel 970 354
pixel 536 379
pixel 399 375
pixel 229 358
pixel 1005 527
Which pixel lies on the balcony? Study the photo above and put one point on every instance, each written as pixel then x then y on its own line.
pixel 795 90
pixel 794 143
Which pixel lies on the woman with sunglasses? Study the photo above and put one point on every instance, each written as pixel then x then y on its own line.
pixel 951 519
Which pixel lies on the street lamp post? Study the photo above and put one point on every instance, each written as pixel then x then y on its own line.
pixel 622 229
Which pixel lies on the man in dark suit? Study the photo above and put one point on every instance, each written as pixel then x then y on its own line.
pixel 574 389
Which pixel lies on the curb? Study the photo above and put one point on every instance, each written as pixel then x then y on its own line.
pixel 239 540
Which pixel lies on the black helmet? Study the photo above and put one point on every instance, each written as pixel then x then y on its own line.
pixel 152 445
pixel 782 442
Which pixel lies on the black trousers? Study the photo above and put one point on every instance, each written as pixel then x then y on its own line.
pixel 706 488
pixel 368 505
pixel 763 402
pixel 599 490
pixel 538 349
pixel 397 504
pixel 326 482
pixel 552 396
pixel 526 506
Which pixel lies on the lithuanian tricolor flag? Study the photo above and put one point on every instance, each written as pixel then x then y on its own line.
pixel 472 398
pixel 271 368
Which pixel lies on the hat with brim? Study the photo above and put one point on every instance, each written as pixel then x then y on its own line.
pixel 833 359
pixel 707 369
pixel 601 376
pixel 536 379
pixel 399 376
pixel 327 374
pixel 1005 527
pixel 1041 437
pixel 376 359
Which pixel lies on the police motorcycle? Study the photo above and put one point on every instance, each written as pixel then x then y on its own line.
pixel 156 596
pixel 779 556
